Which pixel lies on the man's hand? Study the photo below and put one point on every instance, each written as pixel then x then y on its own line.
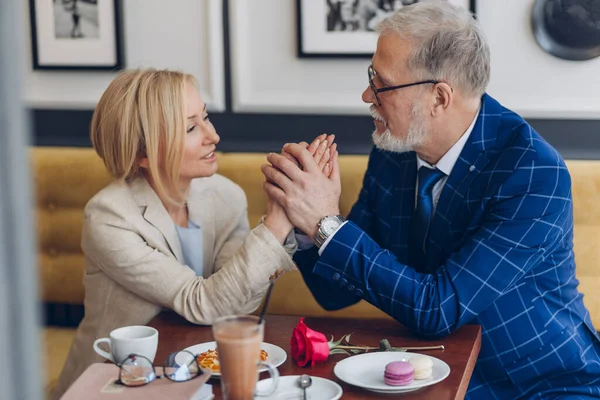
pixel 321 148
pixel 306 194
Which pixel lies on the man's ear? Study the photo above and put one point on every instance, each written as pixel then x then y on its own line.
pixel 444 94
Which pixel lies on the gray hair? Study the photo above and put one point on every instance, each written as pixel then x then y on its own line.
pixel 447 44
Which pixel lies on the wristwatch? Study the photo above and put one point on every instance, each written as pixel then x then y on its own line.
pixel 327 226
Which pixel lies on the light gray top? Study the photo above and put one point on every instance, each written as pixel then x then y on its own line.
pixel 191 246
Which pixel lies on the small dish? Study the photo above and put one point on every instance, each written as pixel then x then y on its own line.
pixel 277 355
pixel 366 371
pixel 288 389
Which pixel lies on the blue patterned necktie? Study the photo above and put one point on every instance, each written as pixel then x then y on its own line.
pixel 423 213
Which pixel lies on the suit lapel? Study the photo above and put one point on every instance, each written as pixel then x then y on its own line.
pixel 404 195
pixel 156 214
pixel 198 207
pixel 472 160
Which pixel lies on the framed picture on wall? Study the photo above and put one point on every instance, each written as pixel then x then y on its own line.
pixel 76 34
pixel 346 28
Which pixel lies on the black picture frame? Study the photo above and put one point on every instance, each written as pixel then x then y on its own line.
pixel 303 53
pixel 117 41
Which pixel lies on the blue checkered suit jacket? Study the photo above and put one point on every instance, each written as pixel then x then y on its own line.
pixel 499 254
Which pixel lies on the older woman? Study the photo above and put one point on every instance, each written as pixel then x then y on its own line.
pixel 169 233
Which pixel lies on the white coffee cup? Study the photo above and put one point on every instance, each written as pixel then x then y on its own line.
pixel 142 340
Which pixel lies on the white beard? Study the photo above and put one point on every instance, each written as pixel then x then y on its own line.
pixel 417 132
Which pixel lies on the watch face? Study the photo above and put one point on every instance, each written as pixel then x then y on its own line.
pixel 329 225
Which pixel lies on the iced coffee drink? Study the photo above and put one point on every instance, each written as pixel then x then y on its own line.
pixel 239 340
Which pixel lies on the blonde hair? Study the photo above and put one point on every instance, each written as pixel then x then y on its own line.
pixel 142 114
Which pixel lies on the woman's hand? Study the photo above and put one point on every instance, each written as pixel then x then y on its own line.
pixel 322 149
pixel 277 221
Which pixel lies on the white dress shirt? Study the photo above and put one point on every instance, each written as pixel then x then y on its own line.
pixel 446 164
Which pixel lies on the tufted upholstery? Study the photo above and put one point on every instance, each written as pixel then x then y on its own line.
pixel 66 178
pixel 585 176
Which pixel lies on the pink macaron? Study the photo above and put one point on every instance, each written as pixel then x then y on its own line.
pixel 398 373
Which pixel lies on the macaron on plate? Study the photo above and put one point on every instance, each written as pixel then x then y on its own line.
pixel 391 372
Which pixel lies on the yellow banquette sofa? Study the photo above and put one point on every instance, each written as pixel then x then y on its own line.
pixel 66 178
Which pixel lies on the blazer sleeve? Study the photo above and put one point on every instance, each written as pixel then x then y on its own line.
pixel 526 218
pixel 112 244
pixel 329 295
pixel 254 256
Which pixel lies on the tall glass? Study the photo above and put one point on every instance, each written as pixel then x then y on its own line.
pixel 239 339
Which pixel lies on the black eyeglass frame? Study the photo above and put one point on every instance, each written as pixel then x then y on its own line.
pixel 155 377
pixel 372 73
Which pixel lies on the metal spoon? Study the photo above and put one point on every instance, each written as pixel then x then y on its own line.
pixel 304 381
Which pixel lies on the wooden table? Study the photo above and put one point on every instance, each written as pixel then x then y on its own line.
pixel 462 349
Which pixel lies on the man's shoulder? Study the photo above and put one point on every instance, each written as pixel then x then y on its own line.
pixel 525 160
pixel 518 143
pixel 382 161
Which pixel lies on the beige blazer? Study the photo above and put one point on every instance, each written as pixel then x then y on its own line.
pixel 134 262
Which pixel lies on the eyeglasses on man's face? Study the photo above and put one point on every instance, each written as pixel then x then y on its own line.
pixel 376 91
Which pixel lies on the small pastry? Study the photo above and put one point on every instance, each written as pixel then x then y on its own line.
pixel 423 367
pixel 398 373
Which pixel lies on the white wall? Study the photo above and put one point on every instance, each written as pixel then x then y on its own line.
pixel 178 34
pixel 267 76
pixel 529 80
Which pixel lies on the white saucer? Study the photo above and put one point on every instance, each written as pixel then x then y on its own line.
pixel 366 371
pixel 277 355
pixel 287 389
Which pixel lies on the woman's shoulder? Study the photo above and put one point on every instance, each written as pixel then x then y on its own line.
pixel 116 196
pixel 222 188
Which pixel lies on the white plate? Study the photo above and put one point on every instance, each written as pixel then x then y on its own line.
pixel 287 389
pixel 277 355
pixel 366 371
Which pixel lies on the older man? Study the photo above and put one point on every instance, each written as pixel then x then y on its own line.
pixel 465 215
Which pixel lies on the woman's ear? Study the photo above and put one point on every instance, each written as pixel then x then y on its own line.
pixel 144 163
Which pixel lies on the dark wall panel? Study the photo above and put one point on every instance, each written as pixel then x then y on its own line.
pixel 268 132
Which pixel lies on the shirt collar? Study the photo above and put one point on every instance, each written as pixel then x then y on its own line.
pixel 446 163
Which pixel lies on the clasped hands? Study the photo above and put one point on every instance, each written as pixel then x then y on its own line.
pixel 303 186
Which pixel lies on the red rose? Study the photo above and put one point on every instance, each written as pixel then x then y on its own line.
pixel 308 345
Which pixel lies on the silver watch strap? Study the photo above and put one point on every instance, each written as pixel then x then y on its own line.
pixel 321 237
